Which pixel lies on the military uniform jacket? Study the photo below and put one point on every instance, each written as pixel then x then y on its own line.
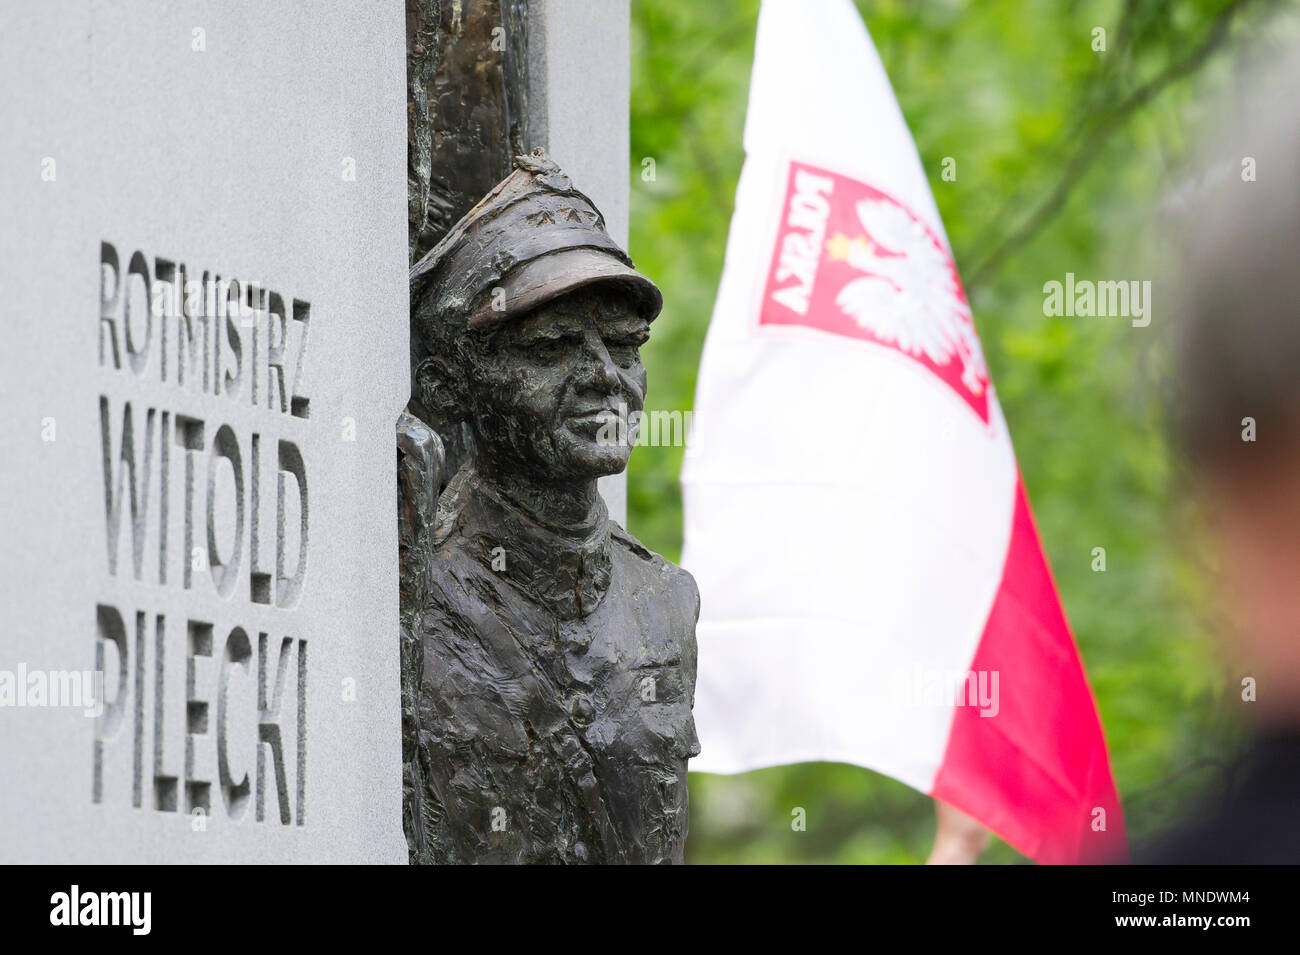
pixel 554 703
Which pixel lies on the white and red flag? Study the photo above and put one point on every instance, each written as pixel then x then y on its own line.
pixel 873 586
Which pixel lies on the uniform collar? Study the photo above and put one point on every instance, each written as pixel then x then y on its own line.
pixel 567 570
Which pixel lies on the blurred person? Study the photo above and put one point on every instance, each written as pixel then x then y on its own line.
pixel 1236 411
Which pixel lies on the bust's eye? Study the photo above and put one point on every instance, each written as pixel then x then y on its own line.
pixel 546 349
pixel 625 348
pixel 625 353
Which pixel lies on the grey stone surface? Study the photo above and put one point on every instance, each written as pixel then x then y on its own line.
pixel 274 156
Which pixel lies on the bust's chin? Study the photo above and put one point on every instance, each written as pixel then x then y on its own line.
pixel 568 461
pixel 595 445
pixel 586 459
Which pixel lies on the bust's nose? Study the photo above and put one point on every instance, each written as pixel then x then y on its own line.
pixel 599 372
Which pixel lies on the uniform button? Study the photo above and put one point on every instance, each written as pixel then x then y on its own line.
pixel 581 709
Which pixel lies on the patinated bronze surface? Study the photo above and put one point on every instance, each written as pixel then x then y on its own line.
pixel 549 658
pixel 467 107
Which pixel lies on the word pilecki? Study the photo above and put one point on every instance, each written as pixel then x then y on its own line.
pixel 197 706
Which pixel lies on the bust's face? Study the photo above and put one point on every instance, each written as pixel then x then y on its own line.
pixel 548 389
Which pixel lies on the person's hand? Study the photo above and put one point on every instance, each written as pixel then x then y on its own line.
pixel 958 839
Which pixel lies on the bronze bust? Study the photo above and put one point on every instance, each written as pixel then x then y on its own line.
pixel 549 658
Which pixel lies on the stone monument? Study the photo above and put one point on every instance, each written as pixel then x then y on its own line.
pixel 204 295
pixel 201 240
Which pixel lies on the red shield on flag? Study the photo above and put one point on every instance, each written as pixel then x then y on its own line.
pixel 851 260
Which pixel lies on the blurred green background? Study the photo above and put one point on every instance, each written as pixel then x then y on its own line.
pixel 1062 156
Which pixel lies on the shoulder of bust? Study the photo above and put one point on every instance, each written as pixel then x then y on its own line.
pixel 675 577
pixel 454 578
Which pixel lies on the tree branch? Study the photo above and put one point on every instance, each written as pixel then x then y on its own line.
pixel 1083 158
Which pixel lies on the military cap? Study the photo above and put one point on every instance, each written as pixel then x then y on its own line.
pixel 534 237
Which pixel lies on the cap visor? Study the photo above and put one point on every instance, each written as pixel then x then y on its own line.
pixel 550 276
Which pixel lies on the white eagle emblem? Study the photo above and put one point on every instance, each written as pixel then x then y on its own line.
pixel 908 296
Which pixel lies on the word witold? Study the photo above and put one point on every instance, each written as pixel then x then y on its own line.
pixel 206 460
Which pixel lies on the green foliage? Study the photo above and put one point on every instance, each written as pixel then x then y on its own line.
pixel 1016 94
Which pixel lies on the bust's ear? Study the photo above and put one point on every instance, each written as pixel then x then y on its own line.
pixel 440 389
pixel 441 397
